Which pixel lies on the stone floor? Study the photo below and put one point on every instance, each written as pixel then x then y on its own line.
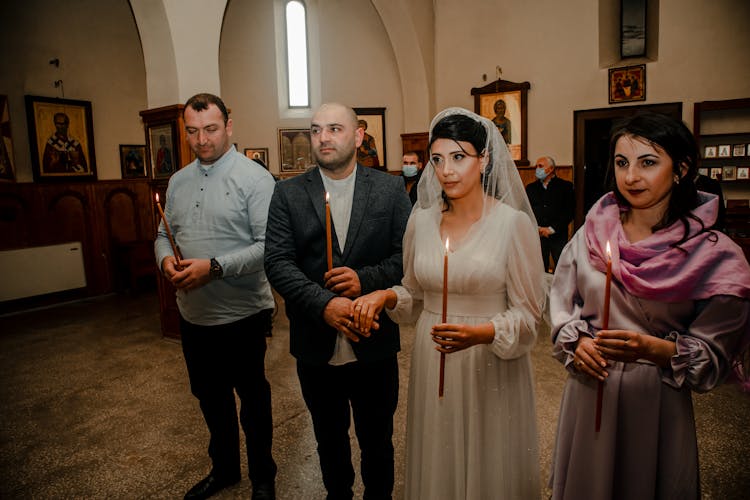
pixel 96 404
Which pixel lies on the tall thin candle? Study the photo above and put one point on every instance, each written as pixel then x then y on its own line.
pixel 445 317
pixel 175 250
pixel 605 326
pixel 329 241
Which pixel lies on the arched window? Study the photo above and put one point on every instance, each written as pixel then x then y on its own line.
pixel 298 86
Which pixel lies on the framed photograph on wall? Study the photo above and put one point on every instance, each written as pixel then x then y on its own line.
pixel 738 150
pixel 703 171
pixel 7 167
pixel 295 150
pixel 709 152
pixel 256 154
pixel 729 174
pixel 743 173
pixel 632 28
pixel 725 151
pixel 504 103
pixel 372 151
pixel 716 173
pixel 61 137
pixel 627 84
pixel 161 138
pixel 133 161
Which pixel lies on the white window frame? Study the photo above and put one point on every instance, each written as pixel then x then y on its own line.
pixel 313 61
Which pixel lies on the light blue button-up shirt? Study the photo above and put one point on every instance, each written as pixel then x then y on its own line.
pixel 220 211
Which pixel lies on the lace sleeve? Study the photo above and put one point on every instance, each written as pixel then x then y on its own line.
pixel 516 327
pixel 409 293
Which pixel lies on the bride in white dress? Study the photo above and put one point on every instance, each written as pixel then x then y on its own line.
pixel 479 440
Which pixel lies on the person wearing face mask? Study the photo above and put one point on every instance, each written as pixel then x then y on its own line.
pixel 412 172
pixel 553 202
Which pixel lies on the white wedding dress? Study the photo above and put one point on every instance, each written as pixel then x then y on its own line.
pixel 479 441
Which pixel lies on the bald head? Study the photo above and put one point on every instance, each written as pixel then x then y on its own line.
pixel 335 137
pixel 342 110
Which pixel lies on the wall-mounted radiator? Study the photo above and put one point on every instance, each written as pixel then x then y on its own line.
pixel 38 270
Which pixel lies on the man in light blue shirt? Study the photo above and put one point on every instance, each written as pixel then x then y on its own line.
pixel 217 208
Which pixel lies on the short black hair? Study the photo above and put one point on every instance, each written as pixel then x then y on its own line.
pixel 201 102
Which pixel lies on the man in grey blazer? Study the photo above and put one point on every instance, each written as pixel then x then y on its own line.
pixel 341 370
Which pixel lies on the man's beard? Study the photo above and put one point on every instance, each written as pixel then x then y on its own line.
pixel 336 163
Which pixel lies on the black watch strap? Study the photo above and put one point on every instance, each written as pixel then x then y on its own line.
pixel 216 272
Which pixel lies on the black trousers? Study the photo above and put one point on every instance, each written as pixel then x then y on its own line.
pixel 223 359
pixel 552 245
pixel 372 391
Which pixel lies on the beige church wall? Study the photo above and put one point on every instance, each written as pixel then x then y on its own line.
pixel 101 61
pixel 702 55
pixel 357 67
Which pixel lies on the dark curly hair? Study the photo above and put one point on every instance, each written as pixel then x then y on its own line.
pixel 672 136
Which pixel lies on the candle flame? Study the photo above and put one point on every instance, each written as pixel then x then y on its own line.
pixel 446 245
pixel 157 197
pixel 327 197
pixel 609 252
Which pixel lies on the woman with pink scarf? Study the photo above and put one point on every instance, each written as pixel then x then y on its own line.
pixel 679 312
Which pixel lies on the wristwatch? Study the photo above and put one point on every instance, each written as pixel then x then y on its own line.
pixel 215 271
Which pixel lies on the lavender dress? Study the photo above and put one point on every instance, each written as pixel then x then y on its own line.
pixel 646 447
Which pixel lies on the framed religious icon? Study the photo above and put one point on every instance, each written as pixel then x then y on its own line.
pixel 709 152
pixel 258 154
pixel 703 171
pixel 627 84
pixel 716 173
pixel 7 168
pixel 729 173
pixel 61 136
pixel 295 150
pixel 372 151
pixel 738 150
pixel 133 161
pixel 743 173
pixel 725 151
pixel 161 140
pixel 504 103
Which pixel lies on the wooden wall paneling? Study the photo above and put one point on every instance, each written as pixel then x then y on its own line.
pixel 94 213
pixel 15 220
pixel 69 218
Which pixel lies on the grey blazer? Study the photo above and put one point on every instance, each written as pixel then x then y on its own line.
pixel 295 257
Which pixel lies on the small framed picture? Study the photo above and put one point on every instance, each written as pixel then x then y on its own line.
pixel 738 150
pixel 132 161
pixel 162 146
pixel 709 152
pixel 725 151
pixel 729 174
pixel 716 173
pixel 295 150
pixel 258 154
pixel 703 171
pixel 743 173
pixel 627 84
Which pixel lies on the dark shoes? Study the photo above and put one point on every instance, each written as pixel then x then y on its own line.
pixel 263 491
pixel 211 485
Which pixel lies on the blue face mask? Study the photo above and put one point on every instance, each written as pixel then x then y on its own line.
pixel 409 170
pixel 540 173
